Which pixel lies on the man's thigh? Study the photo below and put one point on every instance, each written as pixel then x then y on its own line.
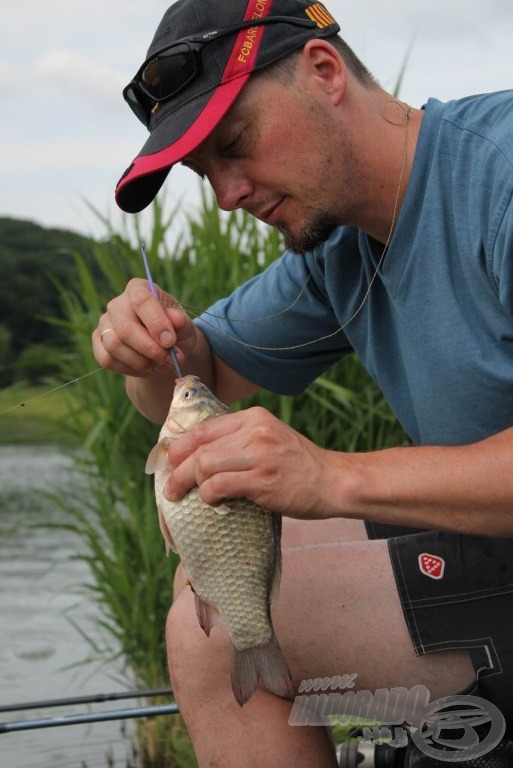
pixel 339 613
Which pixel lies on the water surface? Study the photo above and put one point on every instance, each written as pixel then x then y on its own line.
pixel 38 644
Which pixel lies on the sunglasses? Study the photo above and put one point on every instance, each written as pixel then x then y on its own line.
pixel 172 68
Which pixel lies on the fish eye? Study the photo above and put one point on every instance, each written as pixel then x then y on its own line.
pixel 190 393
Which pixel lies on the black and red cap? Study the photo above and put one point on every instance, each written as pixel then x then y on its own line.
pixel 181 123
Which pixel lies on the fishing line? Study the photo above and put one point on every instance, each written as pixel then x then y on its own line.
pixel 407 111
pixel 193 308
pixel 50 391
pixel 264 348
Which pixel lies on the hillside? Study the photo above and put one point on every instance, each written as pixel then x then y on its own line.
pixel 32 258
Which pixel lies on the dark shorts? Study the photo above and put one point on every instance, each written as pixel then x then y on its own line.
pixel 457 592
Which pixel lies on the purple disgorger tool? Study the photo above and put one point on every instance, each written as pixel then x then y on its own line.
pixel 172 353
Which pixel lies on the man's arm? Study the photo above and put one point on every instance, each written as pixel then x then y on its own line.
pixel 464 489
pixel 251 453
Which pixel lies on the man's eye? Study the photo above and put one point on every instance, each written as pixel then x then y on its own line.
pixel 234 144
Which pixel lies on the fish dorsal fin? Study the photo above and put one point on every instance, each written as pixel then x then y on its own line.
pixel 157 457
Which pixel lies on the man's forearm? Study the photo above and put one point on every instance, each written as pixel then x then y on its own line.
pixel 467 489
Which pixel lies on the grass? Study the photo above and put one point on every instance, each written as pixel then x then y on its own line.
pixel 39 421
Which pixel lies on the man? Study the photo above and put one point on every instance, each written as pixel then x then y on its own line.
pixel 395 563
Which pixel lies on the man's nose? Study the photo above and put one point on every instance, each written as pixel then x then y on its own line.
pixel 232 189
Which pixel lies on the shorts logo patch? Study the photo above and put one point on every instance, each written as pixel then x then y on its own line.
pixel 431 565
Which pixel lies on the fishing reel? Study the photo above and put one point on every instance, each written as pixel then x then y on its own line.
pixel 356 753
pixel 360 754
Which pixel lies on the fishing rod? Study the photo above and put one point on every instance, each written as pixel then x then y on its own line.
pixel 91 699
pixel 98 717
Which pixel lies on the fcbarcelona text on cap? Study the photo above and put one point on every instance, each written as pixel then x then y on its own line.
pixel 249 37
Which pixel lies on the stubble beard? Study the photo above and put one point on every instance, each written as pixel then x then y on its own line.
pixel 320 228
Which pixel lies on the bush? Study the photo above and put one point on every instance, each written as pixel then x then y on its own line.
pixel 37 362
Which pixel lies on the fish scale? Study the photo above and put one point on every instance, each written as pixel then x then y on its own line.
pixel 228 559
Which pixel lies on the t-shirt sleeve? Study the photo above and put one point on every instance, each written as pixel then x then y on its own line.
pixel 278 329
pixel 503 260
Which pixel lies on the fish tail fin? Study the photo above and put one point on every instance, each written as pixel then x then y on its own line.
pixel 262 662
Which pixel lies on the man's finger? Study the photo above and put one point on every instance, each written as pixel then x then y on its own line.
pixel 207 432
pixel 151 312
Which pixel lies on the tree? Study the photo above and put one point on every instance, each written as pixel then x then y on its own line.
pixel 32 261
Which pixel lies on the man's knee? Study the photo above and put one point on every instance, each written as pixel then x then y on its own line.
pixel 195 661
pixel 179 643
pixel 179 625
pixel 180 581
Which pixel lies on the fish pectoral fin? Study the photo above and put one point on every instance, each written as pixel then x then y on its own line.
pixel 157 457
pixel 208 615
pixel 170 544
pixel 265 663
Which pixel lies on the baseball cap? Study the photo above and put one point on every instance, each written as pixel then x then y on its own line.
pixel 204 65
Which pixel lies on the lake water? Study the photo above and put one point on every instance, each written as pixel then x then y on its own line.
pixel 38 583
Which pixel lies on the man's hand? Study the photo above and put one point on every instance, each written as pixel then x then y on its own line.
pixel 253 454
pixel 137 330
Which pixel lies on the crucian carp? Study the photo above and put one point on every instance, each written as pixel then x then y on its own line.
pixel 231 554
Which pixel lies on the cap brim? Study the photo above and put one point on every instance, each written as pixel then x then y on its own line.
pixel 145 176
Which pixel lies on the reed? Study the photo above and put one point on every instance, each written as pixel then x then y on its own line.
pixel 115 516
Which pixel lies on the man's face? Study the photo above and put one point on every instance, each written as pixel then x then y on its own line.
pixel 274 155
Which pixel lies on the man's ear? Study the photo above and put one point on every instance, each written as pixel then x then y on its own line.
pixel 323 68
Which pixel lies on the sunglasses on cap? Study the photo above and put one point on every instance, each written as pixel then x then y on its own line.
pixel 172 68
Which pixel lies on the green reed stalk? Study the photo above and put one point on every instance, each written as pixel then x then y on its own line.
pixel 114 513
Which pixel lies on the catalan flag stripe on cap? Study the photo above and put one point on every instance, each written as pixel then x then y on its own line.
pixel 320 15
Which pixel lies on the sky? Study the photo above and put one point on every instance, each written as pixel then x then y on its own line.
pixel 66 135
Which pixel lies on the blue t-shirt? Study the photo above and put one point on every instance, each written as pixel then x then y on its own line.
pixel 436 330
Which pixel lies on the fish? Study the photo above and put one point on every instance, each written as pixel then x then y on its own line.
pixel 231 554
